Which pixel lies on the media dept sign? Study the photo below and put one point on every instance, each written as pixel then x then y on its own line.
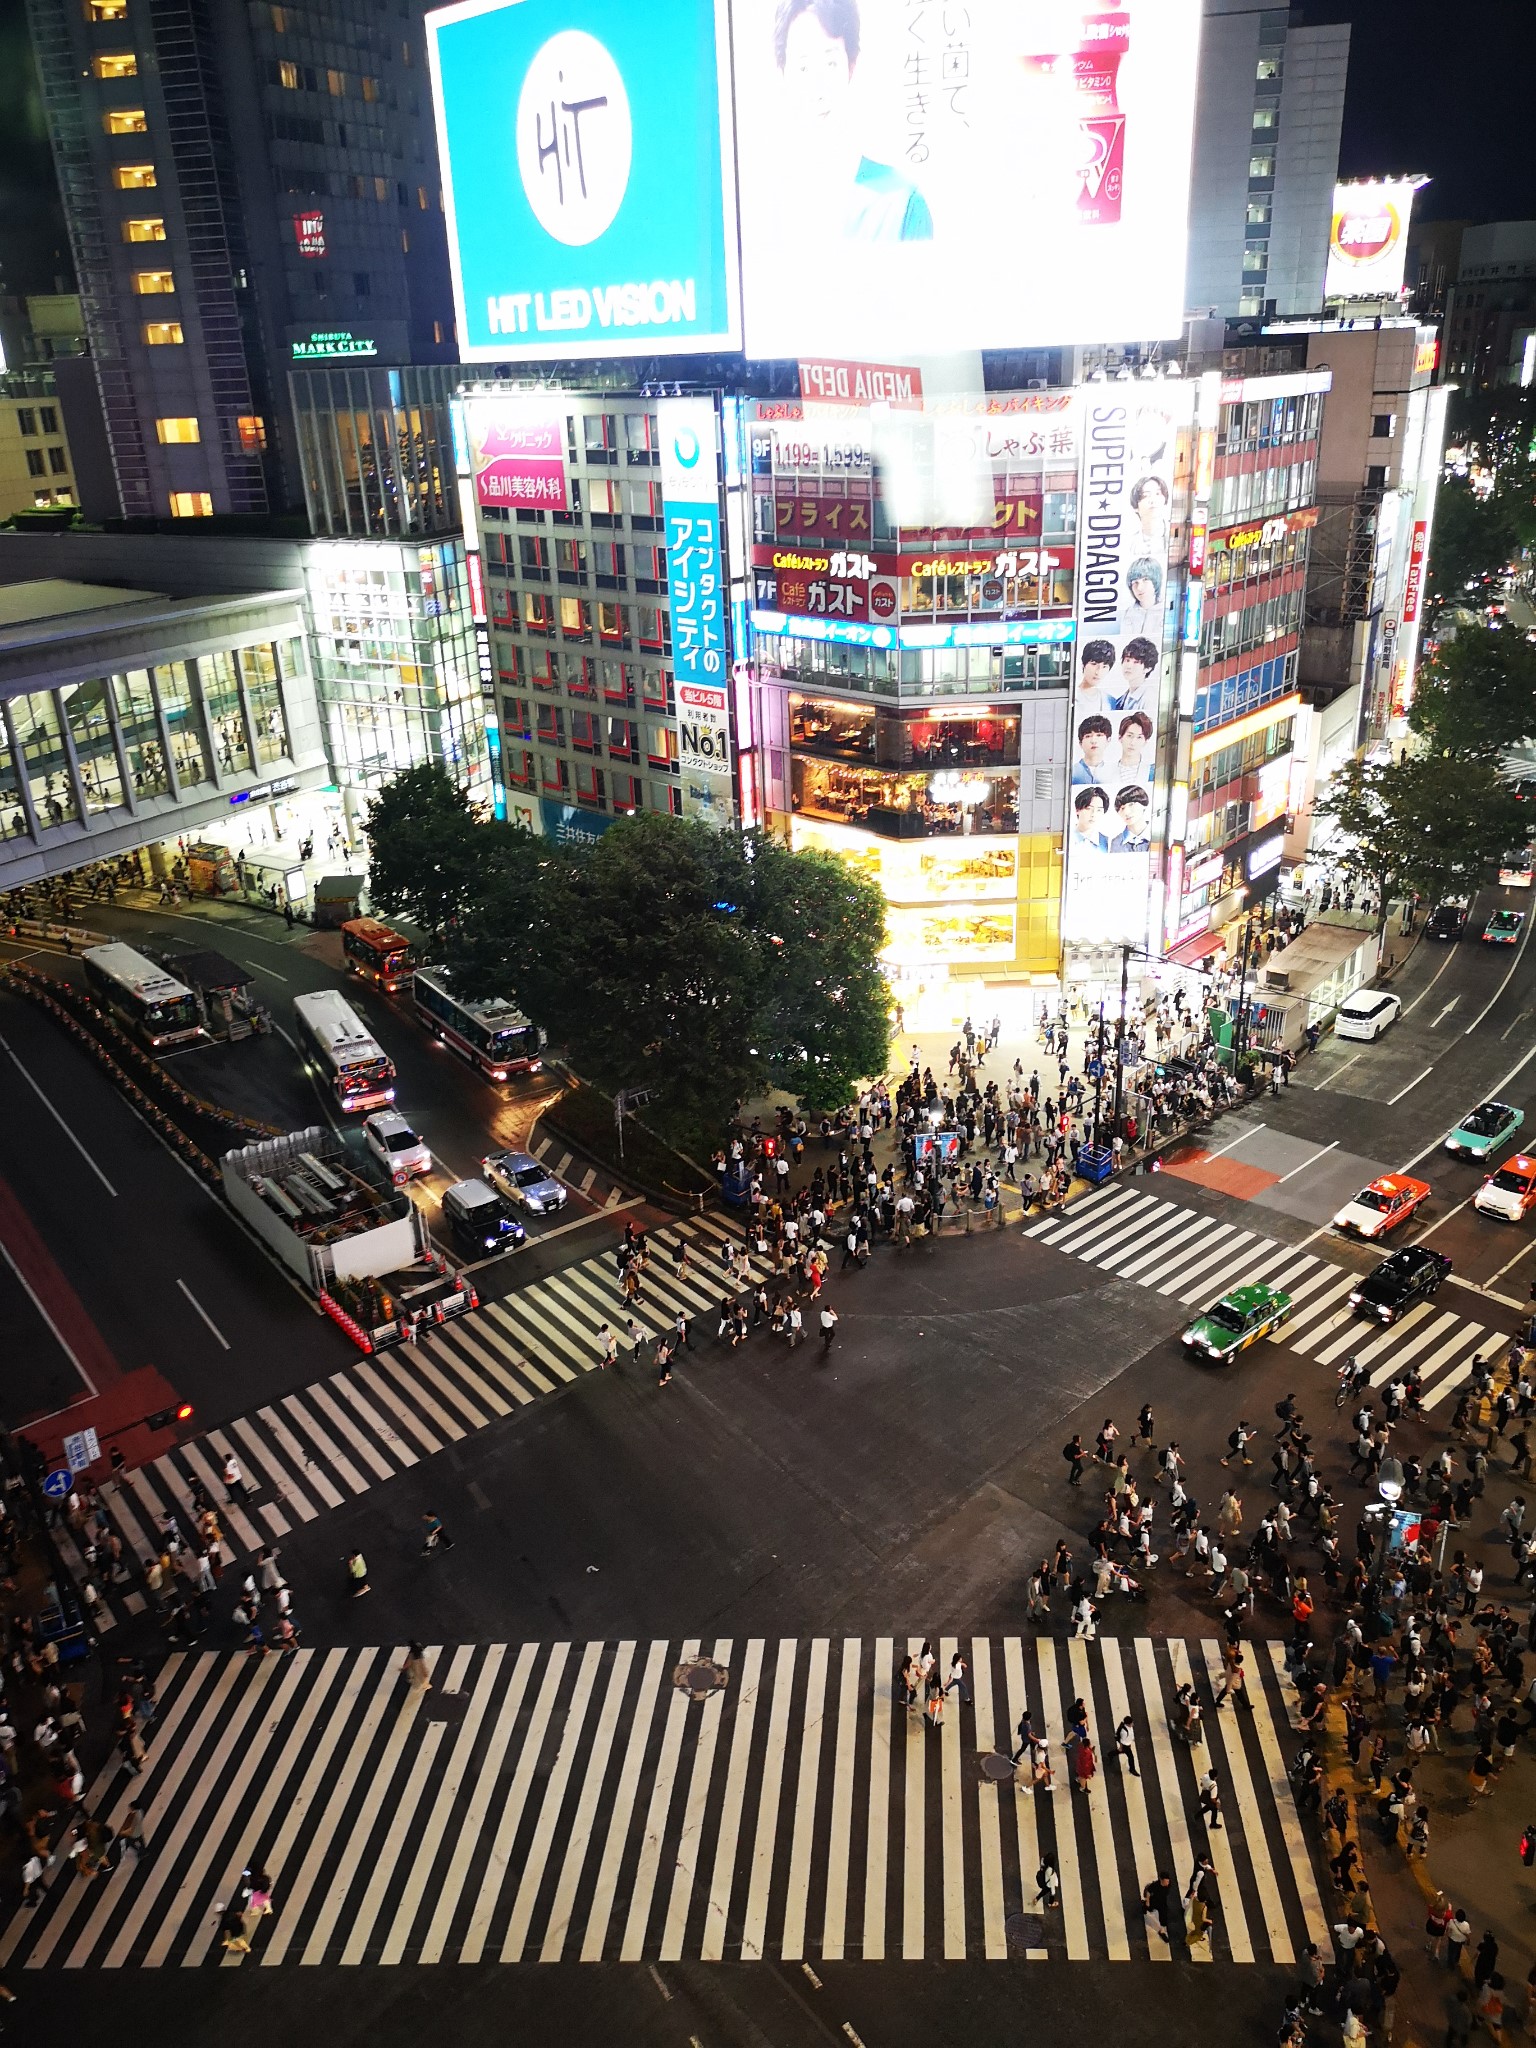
pixel 585 180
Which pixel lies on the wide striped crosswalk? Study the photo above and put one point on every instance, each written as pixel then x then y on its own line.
pixel 627 1802
pixel 1193 1259
pixel 379 1416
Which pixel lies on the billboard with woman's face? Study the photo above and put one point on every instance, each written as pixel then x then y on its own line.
pixel 927 176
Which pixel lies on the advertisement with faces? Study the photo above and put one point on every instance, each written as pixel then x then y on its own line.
pixel 1129 448
pixel 931 175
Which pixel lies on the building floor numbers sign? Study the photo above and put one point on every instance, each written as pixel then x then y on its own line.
pixel 695 584
pixel 81 1450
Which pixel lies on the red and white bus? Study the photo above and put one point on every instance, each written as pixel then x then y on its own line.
pixel 352 1061
pixel 491 1035
pixel 376 953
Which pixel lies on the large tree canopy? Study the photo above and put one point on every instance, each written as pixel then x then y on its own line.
pixel 704 966
pixel 1433 823
pixel 1476 693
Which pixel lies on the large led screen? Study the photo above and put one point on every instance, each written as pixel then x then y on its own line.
pixel 919 176
pixel 587 176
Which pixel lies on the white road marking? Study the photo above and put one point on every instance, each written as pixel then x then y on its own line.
pixel 64 1127
pixel 208 1319
pixel 1411 1086
pixel 63 1341
pixel 1310 1160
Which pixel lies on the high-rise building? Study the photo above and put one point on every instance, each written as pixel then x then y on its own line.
pixel 1490 315
pixel 247 187
pixel 1267 123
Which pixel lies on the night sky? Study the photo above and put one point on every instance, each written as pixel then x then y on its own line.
pixel 1444 87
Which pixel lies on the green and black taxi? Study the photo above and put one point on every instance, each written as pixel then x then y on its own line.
pixel 1239 1319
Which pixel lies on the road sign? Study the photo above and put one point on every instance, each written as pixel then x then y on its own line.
pixel 57 1485
pixel 81 1449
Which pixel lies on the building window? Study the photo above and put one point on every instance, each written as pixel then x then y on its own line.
pixel 191 505
pixel 370 88
pixel 144 230
pixel 251 432
pixel 1259 213
pixel 162 333
pixel 362 284
pixel 288 74
pixel 421 198
pixel 600 436
pixel 26 420
pixel 1261 166
pixel 133 177
pixel 1263 117
pixel 148 282
pixel 437 331
pixel 106 10
pixel 1383 425
pixel 589 785
pixel 184 428
pixel 123 64
pixel 1376 477
pixel 336 84
pixel 34 462
pixel 58 461
pixel 125 121
pixel 1269 67
pixel 279 19
pixel 48 419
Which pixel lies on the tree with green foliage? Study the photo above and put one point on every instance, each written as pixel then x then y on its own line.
pixel 703 966
pixel 823 1022
pixel 1433 823
pixel 428 849
pixel 1473 536
pixel 1476 693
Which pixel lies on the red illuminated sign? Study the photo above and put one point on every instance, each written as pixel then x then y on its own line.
pixel 309 233
pixel 1415 583
pixel 830 382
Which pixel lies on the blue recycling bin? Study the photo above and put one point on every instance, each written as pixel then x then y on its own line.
pixel 1095 1163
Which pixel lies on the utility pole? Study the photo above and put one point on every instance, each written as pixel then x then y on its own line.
pixel 1125 973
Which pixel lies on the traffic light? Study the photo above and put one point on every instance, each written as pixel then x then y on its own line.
pixel 167 1418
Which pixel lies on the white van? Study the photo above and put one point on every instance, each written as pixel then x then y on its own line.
pixel 1366 1014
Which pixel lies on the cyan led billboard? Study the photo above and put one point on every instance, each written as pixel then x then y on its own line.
pixel 588 176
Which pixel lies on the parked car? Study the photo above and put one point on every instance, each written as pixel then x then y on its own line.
pixel 1366 1014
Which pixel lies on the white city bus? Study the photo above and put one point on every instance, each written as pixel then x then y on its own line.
pixel 491 1035
pixel 353 1062
pixel 151 1003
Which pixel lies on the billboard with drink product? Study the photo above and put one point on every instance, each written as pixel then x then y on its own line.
pixel 1369 243
pixel 934 177
pixel 1125 509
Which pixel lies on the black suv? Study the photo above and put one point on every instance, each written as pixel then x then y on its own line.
pixel 1410 1275
pixel 1446 921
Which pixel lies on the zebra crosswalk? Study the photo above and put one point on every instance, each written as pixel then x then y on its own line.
pixel 379 1416
pixel 1194 1258
pixel 699 1800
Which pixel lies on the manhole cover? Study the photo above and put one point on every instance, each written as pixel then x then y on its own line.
pixel 995 1766
pixel 700 1678
pixel 1024 1931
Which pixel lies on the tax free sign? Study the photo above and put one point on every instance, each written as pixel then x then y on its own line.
pixel 587 165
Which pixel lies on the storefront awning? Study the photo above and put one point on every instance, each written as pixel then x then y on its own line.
pixel 1190 952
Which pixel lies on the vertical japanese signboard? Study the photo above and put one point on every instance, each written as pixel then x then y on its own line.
pixel 696 598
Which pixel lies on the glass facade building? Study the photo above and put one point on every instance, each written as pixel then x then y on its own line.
pixel 125 718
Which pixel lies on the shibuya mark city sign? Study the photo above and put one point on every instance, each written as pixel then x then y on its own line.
pixel 587 174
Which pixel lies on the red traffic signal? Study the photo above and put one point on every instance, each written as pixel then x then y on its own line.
pixel 167 1418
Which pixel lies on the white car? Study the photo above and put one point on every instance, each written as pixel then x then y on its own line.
pixel 1366 1014
pixel 396 1146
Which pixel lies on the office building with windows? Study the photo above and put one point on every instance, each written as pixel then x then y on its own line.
pixel 1268 116
pixel 247 188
